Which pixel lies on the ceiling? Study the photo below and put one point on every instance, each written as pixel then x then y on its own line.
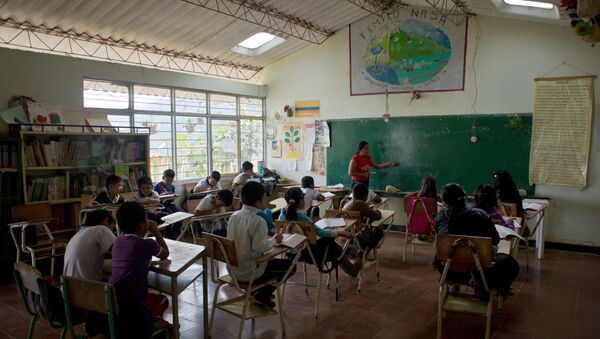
pixel 182 26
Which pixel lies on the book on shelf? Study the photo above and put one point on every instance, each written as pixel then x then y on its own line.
pixel 47 188
pixel 75 152
pixel 8 156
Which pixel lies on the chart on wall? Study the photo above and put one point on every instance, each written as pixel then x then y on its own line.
pixel 411 48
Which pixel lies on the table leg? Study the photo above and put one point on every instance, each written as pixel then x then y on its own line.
pixel 175 306
pixel 205 295
pixel 539 237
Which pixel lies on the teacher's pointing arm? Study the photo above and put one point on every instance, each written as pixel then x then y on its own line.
pixel 385 164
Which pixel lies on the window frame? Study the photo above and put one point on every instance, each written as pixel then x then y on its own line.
pixel 238 117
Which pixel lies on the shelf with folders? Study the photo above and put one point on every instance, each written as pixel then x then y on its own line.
pixel 59 166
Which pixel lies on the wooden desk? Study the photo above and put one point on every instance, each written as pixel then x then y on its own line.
pixel 279 204
pixel 201 194
pixel 172 277
pixel 167 197
pixel 386 216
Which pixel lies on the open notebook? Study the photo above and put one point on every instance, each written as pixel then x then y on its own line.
pixel 292 240
pixel 330 222
pixel 505 232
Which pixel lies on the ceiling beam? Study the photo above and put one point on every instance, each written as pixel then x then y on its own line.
pixel 55 40
pixel 456 11
pixel 378 7
pixel 266 16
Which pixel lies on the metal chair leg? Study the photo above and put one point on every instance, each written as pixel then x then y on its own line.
pixel 405 244
pixel 280 306
pixel 305 278
pixel 318 295
pixel 31 326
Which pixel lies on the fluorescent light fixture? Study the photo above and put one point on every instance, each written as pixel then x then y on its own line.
pixel 534 4
pixel 257 40
pixel 257 44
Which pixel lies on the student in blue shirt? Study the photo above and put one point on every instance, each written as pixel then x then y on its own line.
pixel 295 203
pixel 166 185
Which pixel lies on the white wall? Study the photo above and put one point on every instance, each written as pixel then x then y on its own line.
pixel 58 79
pixel 510 54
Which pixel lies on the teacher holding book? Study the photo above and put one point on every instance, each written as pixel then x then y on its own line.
pixel 361 163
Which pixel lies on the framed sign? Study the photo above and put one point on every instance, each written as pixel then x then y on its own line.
pixel 411 48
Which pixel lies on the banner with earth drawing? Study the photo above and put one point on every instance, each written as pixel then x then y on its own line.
pixel 408 49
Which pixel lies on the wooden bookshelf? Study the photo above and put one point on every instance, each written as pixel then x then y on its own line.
pixel 10 194
pixel 58 167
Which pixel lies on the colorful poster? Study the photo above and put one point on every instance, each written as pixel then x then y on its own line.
pixel 276 148
pixel 46 114
pixel 308 108
pixel 411 48
pixel 322 134
pixel 293 141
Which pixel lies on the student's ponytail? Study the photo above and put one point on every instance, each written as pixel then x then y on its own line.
pixel 293 197
pixel 454 198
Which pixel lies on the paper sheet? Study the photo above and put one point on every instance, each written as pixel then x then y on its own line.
pixel 322 134
pixel 290 165
pixel 562 124
pixel 333 222
pixel 309 139
pixel 328 195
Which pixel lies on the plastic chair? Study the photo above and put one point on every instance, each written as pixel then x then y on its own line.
pixel 460 254
pixel 26 234
pixel 28 278
pixel 98 297
pixel 223 250
pixel 419 211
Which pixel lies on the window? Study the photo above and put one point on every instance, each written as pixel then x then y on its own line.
pixel 222 104
pixel 224 146
pixel 192 132
pixel 525 3
pixel 105 94
pixel 161 147
pixel 192 146
pixel 251 107
pixel 257 44
pixel 190 102
pixel 251 139
pixel 151 99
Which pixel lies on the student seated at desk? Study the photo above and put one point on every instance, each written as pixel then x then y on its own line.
pixel 370 236
pixel 150 199
pixel 458 219
pixel 485 199
pixel 114 186
pixel 249 232
pixel 86 251
pixel 209 183
pixel 166 187
pixel 310 194
pixel 241 179
pixel 293 211
pixel 420 223
pixel 507 191
pixel 131 255
pixel 214 203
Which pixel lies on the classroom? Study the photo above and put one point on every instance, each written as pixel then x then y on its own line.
pixel 284 169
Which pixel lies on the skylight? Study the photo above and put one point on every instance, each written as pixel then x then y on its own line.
pixel 534 4
pixel 257 40
pixel 257 44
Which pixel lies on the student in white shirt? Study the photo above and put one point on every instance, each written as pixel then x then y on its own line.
pixel 214 203
pixel 310 194
pixel 241 179
pixel 249 232
pixel 209 183
pixel 85 253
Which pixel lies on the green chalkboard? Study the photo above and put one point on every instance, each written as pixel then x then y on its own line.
pixel 434 145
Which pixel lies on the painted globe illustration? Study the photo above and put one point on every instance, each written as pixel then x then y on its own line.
pixel 412 53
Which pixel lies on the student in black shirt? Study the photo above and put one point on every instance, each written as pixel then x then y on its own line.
pixel 114 186
pixel 458 219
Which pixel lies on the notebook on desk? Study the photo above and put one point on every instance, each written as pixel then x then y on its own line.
pixel 292 240
pixel 505 232
pixel 330 223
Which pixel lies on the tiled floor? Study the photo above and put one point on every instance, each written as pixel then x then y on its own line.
pixel 557 298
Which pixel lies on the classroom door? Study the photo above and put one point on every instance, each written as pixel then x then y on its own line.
pixel 224 136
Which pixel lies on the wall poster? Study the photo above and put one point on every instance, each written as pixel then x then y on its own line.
pixel 293 141
pixel 411 48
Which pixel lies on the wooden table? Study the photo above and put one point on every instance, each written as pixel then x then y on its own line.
pixel 167 197
pixel 201 194
pixel 174 275
pixel 279 204
pixel 386 215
